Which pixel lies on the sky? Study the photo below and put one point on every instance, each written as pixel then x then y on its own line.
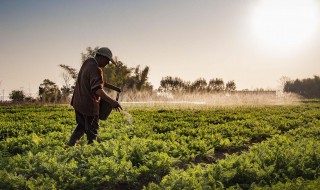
pixel 253 42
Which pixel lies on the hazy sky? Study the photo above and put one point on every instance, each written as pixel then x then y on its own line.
pixel 253 42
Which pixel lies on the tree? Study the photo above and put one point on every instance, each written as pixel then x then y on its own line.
pixel 65 93
pixel 199 85
pixel 216 85
pixel 68 74
pixel 283 81
pixel 231 86
pixel 117 74
pixel 141 77
pixel 49 91
pixel 124 77
pixel 17 96
pixel 308 88
pixel 29 99
pixel 172 84
pixel 166 83
pixel 90 53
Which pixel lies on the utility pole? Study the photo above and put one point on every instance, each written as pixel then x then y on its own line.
pixel 3 95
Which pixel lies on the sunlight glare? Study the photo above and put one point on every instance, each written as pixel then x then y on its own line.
pixel 284 24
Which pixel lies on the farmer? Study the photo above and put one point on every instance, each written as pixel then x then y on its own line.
pixel 87 94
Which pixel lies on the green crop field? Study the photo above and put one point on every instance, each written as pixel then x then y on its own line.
pixel 262 147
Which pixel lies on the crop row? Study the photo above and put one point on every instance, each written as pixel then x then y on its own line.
pixel 280 159
pixel 161 148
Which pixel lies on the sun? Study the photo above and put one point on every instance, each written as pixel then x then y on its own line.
pixel 284 24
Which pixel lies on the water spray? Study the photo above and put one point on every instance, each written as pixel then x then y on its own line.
pixel 106 108
pixel 127 116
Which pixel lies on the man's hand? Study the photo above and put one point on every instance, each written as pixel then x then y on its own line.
pixel 116 106
pixel 102 94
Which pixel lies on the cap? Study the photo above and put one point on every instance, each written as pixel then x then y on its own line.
pixel 104 51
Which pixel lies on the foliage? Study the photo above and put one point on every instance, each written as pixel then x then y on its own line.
pixel 66 92
pixel 199 85
pixel 308 88
pixel 49 91
pixel 140 78
pixel 29 99
pixel 17 96
pixel 171 84
pixel 127 78
pixel 231 86
pixel 176 84
pixel 216 85
pixel 119 74
pixel 89 53
pixel 163 148
pixel 70 72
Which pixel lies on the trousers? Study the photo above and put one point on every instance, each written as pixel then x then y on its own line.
pixel 88 125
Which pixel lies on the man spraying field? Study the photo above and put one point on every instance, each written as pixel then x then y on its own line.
pixel 87 94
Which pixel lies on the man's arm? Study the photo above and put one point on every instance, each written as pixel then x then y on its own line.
pixel 102 94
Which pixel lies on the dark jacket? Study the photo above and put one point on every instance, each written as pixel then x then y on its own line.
pixel 90 79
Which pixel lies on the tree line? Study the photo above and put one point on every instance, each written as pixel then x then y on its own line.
pixel 127 78
pixel 135 79
pixel 176 84
pixel 307 88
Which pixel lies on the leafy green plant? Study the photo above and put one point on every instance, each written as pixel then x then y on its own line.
pixel 212 148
